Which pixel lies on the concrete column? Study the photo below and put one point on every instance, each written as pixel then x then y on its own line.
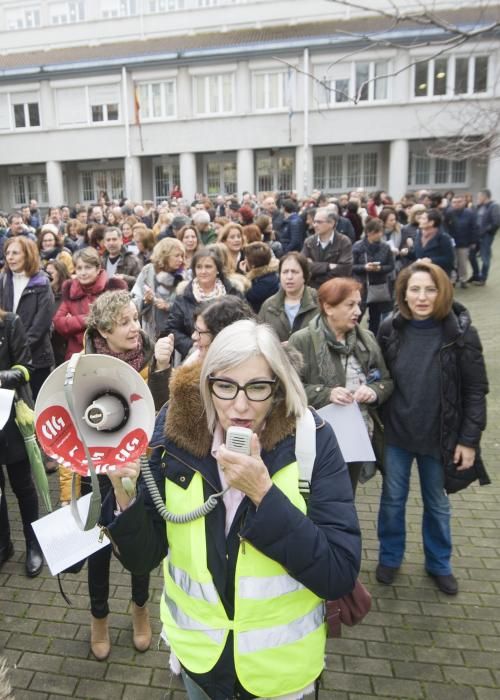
pixel 493 177
pixel 55 183
pixel 187 170
pixel 133 181
pixel 399 158
pixel 303 170
pixel 245 170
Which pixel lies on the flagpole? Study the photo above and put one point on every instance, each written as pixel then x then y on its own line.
pixel 125 112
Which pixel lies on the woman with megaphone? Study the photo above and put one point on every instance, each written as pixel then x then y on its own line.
pixel 113 329
pixel 250 563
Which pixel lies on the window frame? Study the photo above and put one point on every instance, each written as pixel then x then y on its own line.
pixel 352 92
pixel 282 106
pixel 433 163
pixel 27 118
pixel 451 76
pixel 207 94
pixel 362 152
pixel 149 85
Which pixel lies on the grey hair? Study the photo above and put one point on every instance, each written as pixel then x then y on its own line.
pixel 240 342
pixel 329 214
pixel 201 217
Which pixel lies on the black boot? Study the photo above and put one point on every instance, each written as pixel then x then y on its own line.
pixel 34 558
pixel 6 552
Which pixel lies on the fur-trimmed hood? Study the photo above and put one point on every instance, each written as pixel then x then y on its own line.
pixel 186 423
pixel 260 271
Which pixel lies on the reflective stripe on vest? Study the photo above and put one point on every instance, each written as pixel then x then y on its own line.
pixel 278 623
pixel 194 589
pixel 268 587
pixel 284 634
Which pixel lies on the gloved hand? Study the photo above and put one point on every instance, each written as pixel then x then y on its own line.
pixel 12 378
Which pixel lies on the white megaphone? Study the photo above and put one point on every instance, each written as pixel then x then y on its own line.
pixel 94 408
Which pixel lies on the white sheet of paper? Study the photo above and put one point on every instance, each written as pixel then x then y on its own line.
pixel 6 399
pixel 350 430
pixel 62 541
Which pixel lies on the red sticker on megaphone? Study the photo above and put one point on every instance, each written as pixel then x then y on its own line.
pixel 59 439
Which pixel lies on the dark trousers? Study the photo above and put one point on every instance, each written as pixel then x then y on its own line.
pixel 37 378
pixel 98 567
pixel 22 485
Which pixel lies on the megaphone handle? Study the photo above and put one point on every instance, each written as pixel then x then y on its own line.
pixel 128 486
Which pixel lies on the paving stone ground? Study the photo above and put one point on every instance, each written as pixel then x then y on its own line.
pixel 416 643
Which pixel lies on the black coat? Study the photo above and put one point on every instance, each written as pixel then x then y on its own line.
pixel 35 309
pixel 265 283
pixel 364 252
pixel 464 387
pixel 14 350
pixel 180 320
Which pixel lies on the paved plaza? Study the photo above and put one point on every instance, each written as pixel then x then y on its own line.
pixel 416 642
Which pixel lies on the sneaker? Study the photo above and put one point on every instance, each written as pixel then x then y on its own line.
pixel 386 574
pixel 463 285
pixel 446 583
pixel 479 283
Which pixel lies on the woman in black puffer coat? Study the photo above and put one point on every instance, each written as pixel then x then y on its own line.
pixel 15 368
pixel 435 415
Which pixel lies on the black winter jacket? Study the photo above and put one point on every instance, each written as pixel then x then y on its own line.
pixel 14 350
pixel 464 387
pixel 363 253
pixel 180 320
pixel 35 309
pixel 322 550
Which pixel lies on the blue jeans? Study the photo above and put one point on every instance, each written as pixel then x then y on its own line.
pixel 485 244
pixel 436 532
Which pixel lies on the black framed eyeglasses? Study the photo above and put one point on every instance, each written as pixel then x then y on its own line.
pixel 255 390
pixel 200 333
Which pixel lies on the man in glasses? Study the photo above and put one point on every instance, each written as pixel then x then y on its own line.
pixel 329 252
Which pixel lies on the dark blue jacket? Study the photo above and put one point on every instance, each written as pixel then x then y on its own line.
pixel 461 224
pixel 321 550
pixel 265 283
pixel 292 233
pixel 488 218
pixel 439 249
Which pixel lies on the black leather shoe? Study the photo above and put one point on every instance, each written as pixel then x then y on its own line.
pixel 386 574
pixel 6 553
pixel 34 559
pixel 446 583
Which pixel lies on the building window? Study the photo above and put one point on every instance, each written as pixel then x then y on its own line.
pixel 26 115
pixel 95 181
pixel 275 171
pixel 165 176
pixel 67 12
pixel 273 90
pixel 165 5
pixel 23 17
pixel 213 94
pixel 220 174
pixel 460 75
pixel 343 171
pixel 427 170
pixel 118 8
pixel 362 81
pixel 104 102
pixel 156 100
pixel 26 187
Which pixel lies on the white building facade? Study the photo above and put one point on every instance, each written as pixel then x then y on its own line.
pixel 135 96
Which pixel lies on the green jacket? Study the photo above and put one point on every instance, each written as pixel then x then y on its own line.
pixel 273 312
pixel 311 343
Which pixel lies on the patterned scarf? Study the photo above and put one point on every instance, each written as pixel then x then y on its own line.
pixel 134 358
pixel 218 291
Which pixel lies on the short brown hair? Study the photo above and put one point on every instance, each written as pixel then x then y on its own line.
pixel 30 251
pixel 335 291
pixel 257 254
pixel 252 233
pixel 89 256
pixel 300 259
pixel 444 299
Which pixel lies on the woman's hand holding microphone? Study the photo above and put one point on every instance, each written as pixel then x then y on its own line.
pixel 124 490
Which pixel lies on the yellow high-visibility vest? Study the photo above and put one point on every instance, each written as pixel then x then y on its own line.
pixel 278 625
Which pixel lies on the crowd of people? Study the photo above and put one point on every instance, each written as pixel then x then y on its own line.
pixel 243 312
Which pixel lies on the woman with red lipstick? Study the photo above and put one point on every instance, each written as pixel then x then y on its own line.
pixel 342 362
pixel 242 607
pixel 435 416
pixel 113 328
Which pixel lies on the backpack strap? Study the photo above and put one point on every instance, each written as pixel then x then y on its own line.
pixel 305 449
